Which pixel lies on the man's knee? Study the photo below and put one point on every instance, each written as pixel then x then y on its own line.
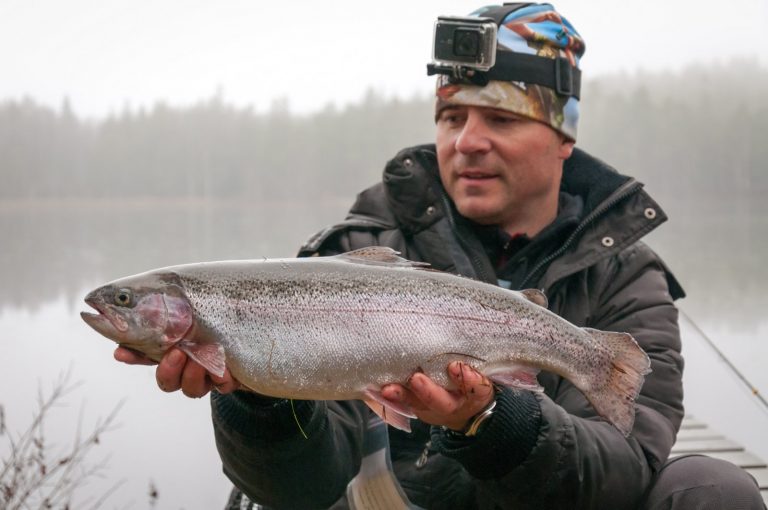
pixel 697 482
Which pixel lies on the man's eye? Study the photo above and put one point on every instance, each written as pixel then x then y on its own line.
pixel 451 118
pixel 504 119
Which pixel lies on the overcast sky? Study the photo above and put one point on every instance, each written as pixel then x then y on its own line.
pixel 104 54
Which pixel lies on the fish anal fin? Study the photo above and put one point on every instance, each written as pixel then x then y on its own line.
pixel 515 376
pixel 390 412
pixel 208 355
pixel 536 296
pixel 379 256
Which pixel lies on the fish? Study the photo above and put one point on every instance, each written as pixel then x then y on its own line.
pixel 341 327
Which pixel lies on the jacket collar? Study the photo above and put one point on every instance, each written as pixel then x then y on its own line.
pixel 412 185
pixel 617 211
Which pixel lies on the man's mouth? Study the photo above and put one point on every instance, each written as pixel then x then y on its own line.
pixel 477 175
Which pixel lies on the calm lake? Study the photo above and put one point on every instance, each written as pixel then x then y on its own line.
pixel 53 253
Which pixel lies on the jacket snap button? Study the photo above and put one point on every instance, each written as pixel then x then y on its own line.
pixel 408 162
pixel 430 210
pixel 650 213
pixel 607 242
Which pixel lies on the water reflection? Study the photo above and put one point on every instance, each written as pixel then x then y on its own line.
pixel 60 247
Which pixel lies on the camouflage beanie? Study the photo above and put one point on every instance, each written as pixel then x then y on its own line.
pixel 534 29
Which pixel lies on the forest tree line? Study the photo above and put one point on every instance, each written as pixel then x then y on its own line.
pixel 702 128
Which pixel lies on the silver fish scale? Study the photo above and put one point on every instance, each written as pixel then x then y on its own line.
pixel 324 328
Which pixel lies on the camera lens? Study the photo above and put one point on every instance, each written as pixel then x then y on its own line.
pixel 466 43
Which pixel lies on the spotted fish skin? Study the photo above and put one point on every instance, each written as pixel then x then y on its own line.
pixel 341 327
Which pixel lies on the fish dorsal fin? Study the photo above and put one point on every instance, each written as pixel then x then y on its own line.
pixel 536 296
pixel 379 256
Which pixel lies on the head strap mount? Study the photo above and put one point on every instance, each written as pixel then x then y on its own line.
pixel 557 74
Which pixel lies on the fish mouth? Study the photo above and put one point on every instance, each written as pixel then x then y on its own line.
pixel 105 321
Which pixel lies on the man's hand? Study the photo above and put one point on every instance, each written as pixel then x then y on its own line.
pixel 176 371
pixel 435 405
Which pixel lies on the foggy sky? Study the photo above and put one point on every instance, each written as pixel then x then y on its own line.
pixel 108 54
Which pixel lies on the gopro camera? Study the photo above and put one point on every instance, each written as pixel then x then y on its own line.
pixel 466 43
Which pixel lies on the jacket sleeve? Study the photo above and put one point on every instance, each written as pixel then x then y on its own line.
pixel 285 454
pixel 579 460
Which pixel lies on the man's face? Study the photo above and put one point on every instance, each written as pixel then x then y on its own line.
pixel 499 167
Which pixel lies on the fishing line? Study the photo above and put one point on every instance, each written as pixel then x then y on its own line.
pixel 297 421
pixel 752 388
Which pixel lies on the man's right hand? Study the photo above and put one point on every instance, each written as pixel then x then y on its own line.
pixel 177 372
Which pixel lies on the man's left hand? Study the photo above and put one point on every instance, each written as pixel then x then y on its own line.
pixel 436 405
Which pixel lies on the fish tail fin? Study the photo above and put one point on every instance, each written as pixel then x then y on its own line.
pixel 615 398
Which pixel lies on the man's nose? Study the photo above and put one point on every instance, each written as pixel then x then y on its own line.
pixel 473 136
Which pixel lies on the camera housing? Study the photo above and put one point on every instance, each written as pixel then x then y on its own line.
pixel 465 42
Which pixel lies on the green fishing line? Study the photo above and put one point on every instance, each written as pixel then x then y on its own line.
pixel 297 420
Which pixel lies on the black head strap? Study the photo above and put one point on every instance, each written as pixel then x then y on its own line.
pixel 499 13
pixel 557 74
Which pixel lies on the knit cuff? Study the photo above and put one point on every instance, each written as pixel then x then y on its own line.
pixel 505 440
pixel 262 418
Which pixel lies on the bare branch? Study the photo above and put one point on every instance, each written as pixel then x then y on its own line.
pixel 34 475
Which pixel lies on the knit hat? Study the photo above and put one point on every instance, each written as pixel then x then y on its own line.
pixel 534 29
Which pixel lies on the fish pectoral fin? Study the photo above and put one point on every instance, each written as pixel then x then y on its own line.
pixel 515 376
pixel 391 413
pixel 208 355
pixel 379 256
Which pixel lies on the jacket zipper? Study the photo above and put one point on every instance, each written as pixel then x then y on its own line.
pixel 474 259
pixel 632 188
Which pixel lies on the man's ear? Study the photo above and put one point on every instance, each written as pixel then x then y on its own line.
pixel 566 148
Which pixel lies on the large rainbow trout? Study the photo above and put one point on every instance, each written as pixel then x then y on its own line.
pixel 341 327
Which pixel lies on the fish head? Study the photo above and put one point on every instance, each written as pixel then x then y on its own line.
pixel 148 312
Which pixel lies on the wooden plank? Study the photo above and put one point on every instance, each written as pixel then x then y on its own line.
pixel 742 459
pixel 761 476
pixel 692 423
pixel 707 446
pixel 695 434
pixel 696 437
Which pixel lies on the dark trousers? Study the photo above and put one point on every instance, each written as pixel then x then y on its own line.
pixel 689 482
pixel 697 482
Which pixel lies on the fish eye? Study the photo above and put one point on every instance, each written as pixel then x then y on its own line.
pixel 123 297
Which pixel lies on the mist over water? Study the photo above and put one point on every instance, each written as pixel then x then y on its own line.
pixel 82 203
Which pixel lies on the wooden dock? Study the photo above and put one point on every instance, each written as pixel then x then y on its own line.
pixel 697 437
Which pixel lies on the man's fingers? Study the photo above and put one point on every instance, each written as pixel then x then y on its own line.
pixel 225 384
pixel 169 370
pixel 402 395
pixel 436 405
pixel 470 382
pixel 194 380
pixel 432 396
pixel 131 357
pixel 226 387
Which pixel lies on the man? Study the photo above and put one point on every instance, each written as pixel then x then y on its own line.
pixel 504 197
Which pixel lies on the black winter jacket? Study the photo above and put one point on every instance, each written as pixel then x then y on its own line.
pixel 601 277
